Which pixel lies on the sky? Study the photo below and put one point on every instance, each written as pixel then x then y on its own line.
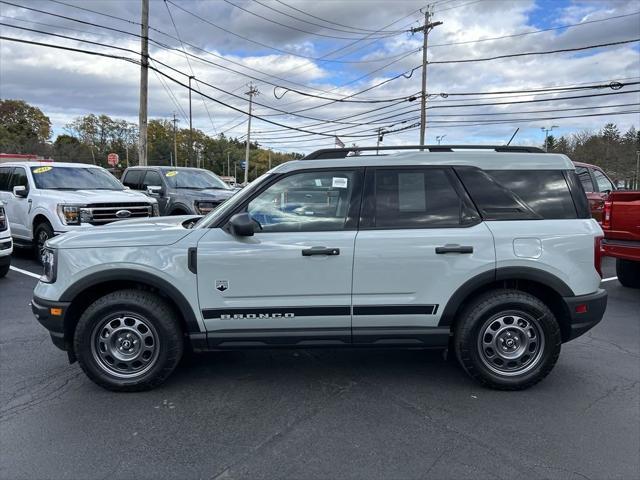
pixel 293 50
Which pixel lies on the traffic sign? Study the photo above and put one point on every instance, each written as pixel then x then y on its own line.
pixel 113 159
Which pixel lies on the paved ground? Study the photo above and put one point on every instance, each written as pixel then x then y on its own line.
pixel 320 413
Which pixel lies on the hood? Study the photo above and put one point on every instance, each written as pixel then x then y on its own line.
pixel 208 194
pixel 149 232
pixel 101 196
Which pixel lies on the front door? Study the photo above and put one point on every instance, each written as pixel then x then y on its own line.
pixel 420 239
pixel 289 283
pixel 18 208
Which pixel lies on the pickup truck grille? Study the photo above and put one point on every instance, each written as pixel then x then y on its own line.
pixel 101 213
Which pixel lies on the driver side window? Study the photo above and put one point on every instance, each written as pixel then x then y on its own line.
pixel 304 202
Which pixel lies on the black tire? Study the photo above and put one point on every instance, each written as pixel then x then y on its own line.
pixel 112 320
pixel 41 234
pixel 628 273
pixel 4 269
pixel 490 318
pixel 178 212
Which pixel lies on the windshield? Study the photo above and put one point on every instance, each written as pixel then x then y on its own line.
pixel 193 179
pixel 74 178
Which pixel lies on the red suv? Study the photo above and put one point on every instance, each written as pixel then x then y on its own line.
pixel 596 185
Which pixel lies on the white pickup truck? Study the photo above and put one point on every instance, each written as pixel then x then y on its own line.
pixel 45 199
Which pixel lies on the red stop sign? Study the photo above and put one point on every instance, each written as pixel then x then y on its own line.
pixel 113 159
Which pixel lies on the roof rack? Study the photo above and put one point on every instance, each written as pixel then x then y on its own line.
pixel 327 153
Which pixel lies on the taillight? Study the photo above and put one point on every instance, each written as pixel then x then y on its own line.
pixel 606 214
pixel 597 254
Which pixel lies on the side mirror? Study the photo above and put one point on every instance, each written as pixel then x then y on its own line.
pixel 20 191
pixel 241 225
pixel 154 190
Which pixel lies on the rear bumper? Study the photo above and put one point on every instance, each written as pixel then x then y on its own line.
pixel 585 311
pixel 625 249
pixel 45 312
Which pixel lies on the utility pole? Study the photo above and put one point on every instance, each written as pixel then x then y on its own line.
pixel 381 133
pixel 252 91
pixel 425 29
pixel 190 125
pixel 144 84
pixel 637 170
pixel 269 159
pixel 228 169
pixel 175 140
pixel 546 136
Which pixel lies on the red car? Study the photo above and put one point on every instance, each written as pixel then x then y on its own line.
pixel 596 185
pixel 621 226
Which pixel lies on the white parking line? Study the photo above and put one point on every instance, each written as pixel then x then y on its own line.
pixel 608 279
pixel 24 272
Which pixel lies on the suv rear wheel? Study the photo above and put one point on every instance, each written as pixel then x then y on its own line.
pixel 507 339
pixel 128 340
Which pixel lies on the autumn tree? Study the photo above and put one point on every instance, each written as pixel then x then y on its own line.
pixel 23 128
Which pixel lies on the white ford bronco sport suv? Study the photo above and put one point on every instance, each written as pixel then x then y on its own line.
pixel 43 199
pixel 488 251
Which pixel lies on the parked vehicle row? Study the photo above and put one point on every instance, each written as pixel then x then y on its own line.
pixel 44 199
pixel 597 185
pixel 491 253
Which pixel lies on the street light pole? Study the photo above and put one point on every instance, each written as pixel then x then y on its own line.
pixel 439 138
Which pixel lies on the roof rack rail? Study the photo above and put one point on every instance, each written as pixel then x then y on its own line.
pixel 327 153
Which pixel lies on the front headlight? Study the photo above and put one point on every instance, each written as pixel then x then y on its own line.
pixel 49 263
pixel 3 220
pixel 204 207
pixel 73 214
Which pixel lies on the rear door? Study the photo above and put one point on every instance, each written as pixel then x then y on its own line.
pixel 420 239
pixel 290 283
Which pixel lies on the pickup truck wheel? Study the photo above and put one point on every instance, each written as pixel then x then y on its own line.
pixel 628 273
pixel 43 232
pixel 129 340
pixel 507 339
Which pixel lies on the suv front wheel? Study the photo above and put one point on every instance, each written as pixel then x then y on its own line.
pixel 507 339
pixel 129 340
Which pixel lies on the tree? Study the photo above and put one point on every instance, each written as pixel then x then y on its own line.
pixel 551 143
pixel 23 128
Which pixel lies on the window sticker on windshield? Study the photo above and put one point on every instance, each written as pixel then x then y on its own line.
pixel 42 169
pixel 173 173
pixel 339 182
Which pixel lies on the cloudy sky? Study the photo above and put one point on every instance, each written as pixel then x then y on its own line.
pixel 331 49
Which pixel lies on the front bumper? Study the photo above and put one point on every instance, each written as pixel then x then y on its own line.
pixel 585 311
pixel 51 316
pixel 6 248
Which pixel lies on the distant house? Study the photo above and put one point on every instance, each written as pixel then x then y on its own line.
pixel 18 157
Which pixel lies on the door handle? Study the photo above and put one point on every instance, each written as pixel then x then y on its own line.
pixel 307 252
pixel 451 248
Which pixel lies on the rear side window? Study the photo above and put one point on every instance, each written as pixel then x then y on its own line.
pixel 132 179
pixel 415 198
pixel 520 194
pixel 585 179
pixel 5 173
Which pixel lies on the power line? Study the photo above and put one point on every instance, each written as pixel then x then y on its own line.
pixel 547 52
pixel 275 22
pixel 312 16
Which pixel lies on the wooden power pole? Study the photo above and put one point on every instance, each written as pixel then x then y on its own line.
pixel 252 91
pixel 144 84
pixel 425 29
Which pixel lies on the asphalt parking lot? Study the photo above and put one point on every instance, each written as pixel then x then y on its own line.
pixel 320 413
